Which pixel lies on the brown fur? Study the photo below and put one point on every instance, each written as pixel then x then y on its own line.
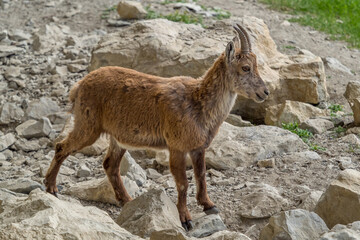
pixel 138 110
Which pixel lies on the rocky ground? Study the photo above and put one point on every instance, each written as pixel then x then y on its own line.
pixel 254 172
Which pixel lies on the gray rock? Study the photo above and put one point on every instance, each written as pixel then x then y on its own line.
pixel 3 33
pixel 345 209
pixel 43 216
pixel 21 185
pixel 6 141
pixel 310 200
pixel 351 139
pixel 295 224
pixel 40 108
pixel 6 51
pixel 317 125
pixel 335 64
pixel 34 129
pixel 76 68
pixel 117 23
pixel 59 117
pixel 152 174
pixel 100 190
pixel 234 146
pixel 12 72
pixel 28 146
pixel 10 113
pixel 352 95
pixel 237 121
pixel 343 234
pixel 153 211
pixel 19 35
pixel 83 171
pixel 129 168
pixel 131 10
pixel 259 201
pixel 207 225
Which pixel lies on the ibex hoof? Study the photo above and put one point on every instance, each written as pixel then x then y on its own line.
pixel 213 210
pixel 55 194
pixel 188 225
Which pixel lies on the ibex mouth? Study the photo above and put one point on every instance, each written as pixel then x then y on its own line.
pixel 260 98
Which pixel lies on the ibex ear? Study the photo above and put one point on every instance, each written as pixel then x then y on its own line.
pixel 230 51
pixel 236 42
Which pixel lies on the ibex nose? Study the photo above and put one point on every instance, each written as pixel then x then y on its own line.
pixel 266 92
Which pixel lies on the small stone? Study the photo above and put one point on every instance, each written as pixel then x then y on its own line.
pixel 310 200
pixel 28 146
pixel 76 68
pixel 19 35
pixel 6 141
pixel 153 211
pixel 34 129
pixel 12 72
pixel 6 51
pixel 83 171
pixel 21 185
pixel 237 121
pixel 10 113
pixel 294 224
pixel 351 139
pixel 152 174
pixel 317 125
pixel 43 107
pixel 129 168
pixel 266 163
pixel 286 23
pixel 207 225
pixel 345 163
pixel 335 64
pixel 117 23
pixel 131 10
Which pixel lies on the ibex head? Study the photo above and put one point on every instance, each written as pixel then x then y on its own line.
pixel 242 67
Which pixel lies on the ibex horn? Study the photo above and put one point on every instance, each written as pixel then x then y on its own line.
pixel 244 39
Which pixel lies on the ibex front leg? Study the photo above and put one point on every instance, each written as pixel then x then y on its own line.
pixel 198 160
pixel 178 170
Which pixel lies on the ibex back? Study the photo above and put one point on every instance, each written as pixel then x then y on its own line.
pixel 180 114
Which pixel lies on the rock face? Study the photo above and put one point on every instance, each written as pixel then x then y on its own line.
pixel 341 201
pixel 291 111
pixel 131 10
pixel 100 190
pixel 169 49
pixel 259 201
pixel 234 146
pixel 295 224
pixel 43 216
pixel 153 211
pixel 352 94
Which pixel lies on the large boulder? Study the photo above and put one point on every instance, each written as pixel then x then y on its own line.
pixel 152 211
pixel 43 216
pixel 234 146
pixel 295 224
pixel 352 94
pixel 340 204
pixel 167 49
pixel 292 111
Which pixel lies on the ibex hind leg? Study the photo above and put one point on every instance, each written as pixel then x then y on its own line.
pixel 81 136
pixel 111 165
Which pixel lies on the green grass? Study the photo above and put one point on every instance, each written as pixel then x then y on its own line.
pixel 176 17
pixel 334 108
pixel 304 134
pixel 339 18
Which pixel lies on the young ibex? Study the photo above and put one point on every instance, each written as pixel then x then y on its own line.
pixel 180 114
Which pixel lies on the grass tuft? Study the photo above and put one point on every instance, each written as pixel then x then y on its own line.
pixel 339 18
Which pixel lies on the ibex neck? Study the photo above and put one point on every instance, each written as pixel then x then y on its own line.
pixel 215 94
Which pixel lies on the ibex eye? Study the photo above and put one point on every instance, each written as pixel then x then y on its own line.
pixel 246 69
